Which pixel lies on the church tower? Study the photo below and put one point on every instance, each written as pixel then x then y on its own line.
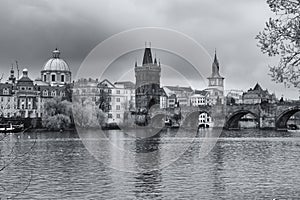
pixel 216 83
pixel 147 82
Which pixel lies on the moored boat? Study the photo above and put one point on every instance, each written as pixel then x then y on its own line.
pixel 10 128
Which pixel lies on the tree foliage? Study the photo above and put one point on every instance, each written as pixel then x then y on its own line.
pixel 281 37
pixel 57 114
pixel 87 115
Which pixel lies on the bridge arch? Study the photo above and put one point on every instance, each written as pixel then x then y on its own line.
pixel 192 119
pixel 283 118
pixel 232 121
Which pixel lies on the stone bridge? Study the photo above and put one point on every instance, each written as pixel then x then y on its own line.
pixel 268 116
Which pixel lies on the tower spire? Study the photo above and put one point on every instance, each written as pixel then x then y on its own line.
pixel 215 66
pixel 147 56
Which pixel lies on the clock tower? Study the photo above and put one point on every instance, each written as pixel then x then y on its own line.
pixel 216 83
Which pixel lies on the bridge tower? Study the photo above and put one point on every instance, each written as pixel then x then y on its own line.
pixel 216 84
pixel 147 82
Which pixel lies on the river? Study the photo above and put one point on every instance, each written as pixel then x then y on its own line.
pixel 248 164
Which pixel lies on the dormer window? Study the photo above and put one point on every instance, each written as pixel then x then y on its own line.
pixel 5 91
pixel 53 93
pixel 45 93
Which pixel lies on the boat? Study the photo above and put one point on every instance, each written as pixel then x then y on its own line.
pixel 10 128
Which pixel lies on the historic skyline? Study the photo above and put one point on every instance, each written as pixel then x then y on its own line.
pixel 30 30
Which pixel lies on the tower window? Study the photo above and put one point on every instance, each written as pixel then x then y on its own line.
pixel 53 77
pixel 62 78
pixel 45 77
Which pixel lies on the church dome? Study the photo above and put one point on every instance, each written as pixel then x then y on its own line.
pixel 56 63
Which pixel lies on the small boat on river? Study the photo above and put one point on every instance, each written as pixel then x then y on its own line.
pixel 11 128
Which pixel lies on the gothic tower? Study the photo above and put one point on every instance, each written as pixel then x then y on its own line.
pixel 147 77
pixel 216 83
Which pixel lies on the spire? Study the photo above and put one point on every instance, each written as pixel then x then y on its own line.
pixel 215 66
pixel 12 71
pixel 147 56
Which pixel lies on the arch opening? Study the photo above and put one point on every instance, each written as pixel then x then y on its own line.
pixel 241 120
pixel 289 119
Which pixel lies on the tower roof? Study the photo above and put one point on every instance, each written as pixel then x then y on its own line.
pixel 215 68
pixel 257 87
pixel 147 56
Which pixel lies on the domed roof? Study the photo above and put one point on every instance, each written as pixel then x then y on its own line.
pixel 56 63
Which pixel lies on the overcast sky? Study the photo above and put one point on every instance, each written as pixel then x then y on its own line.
pixel 30 30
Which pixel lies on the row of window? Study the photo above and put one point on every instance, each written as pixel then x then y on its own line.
pixel 8 99
pixel 53 93
pixel 53 78
pixel 110 116
pixel 118 107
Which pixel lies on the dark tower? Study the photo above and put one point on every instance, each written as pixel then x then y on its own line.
pixel 12 78
pixel 147 77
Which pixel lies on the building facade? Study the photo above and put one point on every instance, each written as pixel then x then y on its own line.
pixel 200 98
pixel 257 95
pixel 23 97
pixel 119 99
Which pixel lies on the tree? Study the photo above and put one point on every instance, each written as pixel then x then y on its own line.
pixel 57 114
pixel 281 37
pixel 87 115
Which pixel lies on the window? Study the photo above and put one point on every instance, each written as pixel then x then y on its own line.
pixel 22 88
pixel 118 107
pixel 45 77
pixel 109 91
pixel 53 77
pixel 45 93
pixel 29 88
pixel 62 78
pixel 118 99
pixel 62 93
pixel 2 99
pixel 110 115
pixel 118 92
pixel 118 116
pixel 109 99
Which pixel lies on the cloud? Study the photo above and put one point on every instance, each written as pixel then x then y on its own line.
pixel 30 30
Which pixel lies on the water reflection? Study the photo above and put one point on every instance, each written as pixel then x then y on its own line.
pixel 238 167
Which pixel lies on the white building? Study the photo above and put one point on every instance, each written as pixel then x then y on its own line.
pixel 180 95
pixel 120 97
pixel 237 95
pixel 200 98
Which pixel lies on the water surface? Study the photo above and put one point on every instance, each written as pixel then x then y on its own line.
pixel 248 164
